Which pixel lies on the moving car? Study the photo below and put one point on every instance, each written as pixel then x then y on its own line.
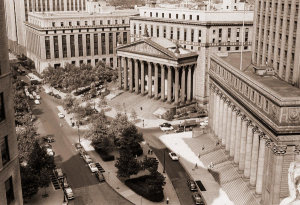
pixel 99 176
pixel 93 167
pixel 198 199
pixel 174 156
pixel 87 158
pixel 166 127
pixel 69 193
pixel 192 185
pixel 60 115
pixel 59 173
pixel 37 102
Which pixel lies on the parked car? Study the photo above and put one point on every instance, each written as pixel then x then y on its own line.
pixel 69 193
pixel 59 173
pixel 166 127
pixel 192 185
pixel 48 139
pixel 93 167
pixel 49 151
pixel 61 115
pixel 37 102
pixel 174 156
pixel 82 152
pixel 99 176
pixel 198 199
pixel 87 159
pixel 179 129
pixel 31 97
pixel 57 96
pixel 66 184
pixel 38 97
pixel 78 146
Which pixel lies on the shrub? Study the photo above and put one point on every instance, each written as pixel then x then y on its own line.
pixel 105 156
pixel 140 186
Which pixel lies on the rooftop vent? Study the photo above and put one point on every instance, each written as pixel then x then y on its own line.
pixel 264 71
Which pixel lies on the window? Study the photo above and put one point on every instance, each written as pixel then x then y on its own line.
pixel 80 46
pixel 101 22
pixel 220 33
pixel 9 191
pixel 85 23
pixel 53 24
pixel 70 23
pixel 110 43
pixel 47 47
pixel 116 21
pixel 156 14
pixel 4 150
pixel 183 16
pixel 108 22
pixel 72 44
pixel 184 37
pixel 61 24
pixel 123 21
pixel 78 23
pixel 176 16
pixel 238 32
pixel 88 44
pixel 191 17
pixel 169 15
pixel 165 32
pixel 103 46
pixel 124 37
pixel 55 42
pixel 64 46
pixel 198 18
pixel 150 14
pixel 95 44
pixel 267 106
pixel 229 33
pixel 192 35
pixel 163 15
pixel 171 35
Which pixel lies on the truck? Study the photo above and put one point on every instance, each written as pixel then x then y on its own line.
pixel 189 124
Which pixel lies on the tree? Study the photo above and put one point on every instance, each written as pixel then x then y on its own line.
pixel 156 182
pixel 127 165
pixel 151 164
pixel 133 115
pixel 44 179
pixel 30 182
pixel 68 102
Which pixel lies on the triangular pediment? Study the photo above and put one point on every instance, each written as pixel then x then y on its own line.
pixel 147 48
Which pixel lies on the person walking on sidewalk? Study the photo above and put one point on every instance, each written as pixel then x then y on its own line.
pixel 167 201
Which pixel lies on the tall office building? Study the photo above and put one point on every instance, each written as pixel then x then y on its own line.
pixel 10 180
pixel 17 11
pixel 277 38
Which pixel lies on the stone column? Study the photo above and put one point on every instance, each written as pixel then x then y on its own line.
pixel 224 130
pixel 276 179
pixel 254 158
pixel 162 78
pixel 248 151
pixel 189 84
pixel 260 166
pixel 136 76
pixel 124 63
pixel 211 108
pixel 169 85
pixel 228 129
pixel 217 115
pixel 237 138
pixel 243 144
pixel 149 80
pixel 176 85
pixel 142 78
pixel 182 94
pixel 220 131
pixel 155 80
pixel 215 112
pixel 119 73
pixel 233 132
pixel 130 75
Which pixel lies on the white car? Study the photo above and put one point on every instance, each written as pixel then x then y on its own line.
pixel 38 97
pixel 31 97
pixel 50 152
pixel 174 156
pixel 60 115
pixel 93 167
pixel 87 159
pixel 166 127
pixel 69 193
pixel 204 123
pixel 37 102
pixel 33 93
pixel 59 173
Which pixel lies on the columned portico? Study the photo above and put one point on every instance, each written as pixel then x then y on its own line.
pixel 159 71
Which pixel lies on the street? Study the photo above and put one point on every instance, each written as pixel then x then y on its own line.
pixel 86 188
pixel 175 171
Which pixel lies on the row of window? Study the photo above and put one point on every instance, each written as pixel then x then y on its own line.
pixel 88 42
pixel 242 87
pixel 169 15
pixel 87 23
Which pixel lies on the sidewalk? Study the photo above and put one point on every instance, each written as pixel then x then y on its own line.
pixel 223 184
pixel 110 175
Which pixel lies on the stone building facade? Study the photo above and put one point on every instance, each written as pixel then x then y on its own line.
pixel 200 31
pixel 277 40
pixel 10 180
pixel 17 11
pixel 257 118
pixel 76 37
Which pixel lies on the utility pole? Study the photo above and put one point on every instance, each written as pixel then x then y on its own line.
pixel 164 171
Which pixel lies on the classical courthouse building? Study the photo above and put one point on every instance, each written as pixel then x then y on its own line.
pixel 10 180
pixel 17 11
pixel 199 31
pixel 57 38
pixel 255 106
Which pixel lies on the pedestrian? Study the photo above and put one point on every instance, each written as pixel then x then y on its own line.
pixel 148 151
pixel 151 151
pixel 199 155
pixel 167 201
pixel 217 143
pixel 141 108
pixel 203 147
pixel 196 166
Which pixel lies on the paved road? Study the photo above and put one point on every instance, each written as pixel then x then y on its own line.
pixel 86 188
pixel 175 171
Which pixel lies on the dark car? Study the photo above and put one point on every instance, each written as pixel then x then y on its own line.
pixel 100 176
pixel 48 139
pixel 57 96
pixel 198 199
pixel 192 185
pixel 165 124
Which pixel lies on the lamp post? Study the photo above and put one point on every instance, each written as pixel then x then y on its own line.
pixel 164 171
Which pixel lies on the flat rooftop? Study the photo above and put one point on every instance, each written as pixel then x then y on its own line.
pixel 83 14
pixel 273 83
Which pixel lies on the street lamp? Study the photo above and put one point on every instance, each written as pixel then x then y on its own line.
pixel 164 171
